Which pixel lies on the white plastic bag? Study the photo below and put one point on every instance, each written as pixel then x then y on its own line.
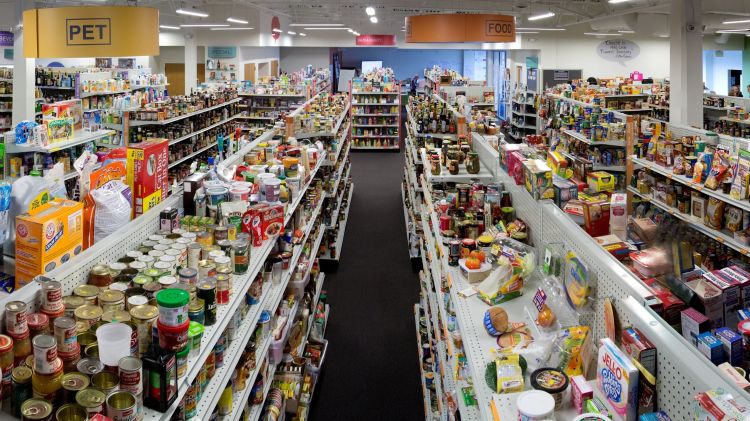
pixel 112 208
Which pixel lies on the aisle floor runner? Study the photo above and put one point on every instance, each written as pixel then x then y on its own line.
pixel 371 371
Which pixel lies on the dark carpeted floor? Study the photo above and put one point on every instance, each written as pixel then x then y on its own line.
pixel 371 371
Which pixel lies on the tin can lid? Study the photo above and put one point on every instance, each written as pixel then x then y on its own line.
pixel 87 290
pixel 144 312
pixel 137 300
pixel 74 381
pixel 36 409
pixel 188 273
pixel 111 296
pixel 90 397
pixel 73 301
pixel 196 305
pixel 172 298
pixel 167 281
pixel 116 316
pixel 22 374
pixel 88 312
pixel 37 320
pixel 130 363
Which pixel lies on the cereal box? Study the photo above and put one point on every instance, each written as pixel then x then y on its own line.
pixel 147 165
pixel 538 179
pixel 47 237
pixel 617 380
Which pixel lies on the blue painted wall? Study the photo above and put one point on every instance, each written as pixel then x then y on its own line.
pixel 405 62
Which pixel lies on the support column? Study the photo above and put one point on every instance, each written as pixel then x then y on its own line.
pixel 686 63
pixel 24 79
pixel 191 62
pixel 746 68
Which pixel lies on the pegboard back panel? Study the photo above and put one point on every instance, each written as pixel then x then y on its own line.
pixel 108 250
pixel 682 371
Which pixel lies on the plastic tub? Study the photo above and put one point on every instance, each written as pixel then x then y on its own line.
pixel 239 194
pixel 535 405
pixel 195 335
pixel 172 338
pixel 173 306
pixel 272 187
pixel 114 342
pixel 216 195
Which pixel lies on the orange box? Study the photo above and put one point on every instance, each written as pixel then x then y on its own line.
pixel 47 237
pixel 148 178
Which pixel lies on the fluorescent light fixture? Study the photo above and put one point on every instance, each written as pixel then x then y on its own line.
pixel 527 32
pixel 600 34
pixel 291 32
pixel 168 27
pixel 350 30
pixel 277 30
pixel 617 1
pixel 356 34
pixel 626 31
pixel 316 24
pixel 542 16
pixel 192 12
pixel 370 11
pixel 247 28
pixel 326 29
pixel 664 36
pixel 302 34
pixel 729 22
pixel 729 31
pixel 374 19
pixel 235 20
pixel 539 29
pixel 204 25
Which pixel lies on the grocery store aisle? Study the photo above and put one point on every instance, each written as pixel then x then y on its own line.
pixel 371 371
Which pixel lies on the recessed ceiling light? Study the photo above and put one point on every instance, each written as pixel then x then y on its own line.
pixel 204 25
pixel 600 34
pixel 729 22
pixel 302 34
pixel 542 16
pixel 235 20
pixel 277 30
pixel 374 19
pixel 370 11
pixel 192 12
pixel 291 32
pixel 168 27
pixel 232 29
pixel 539 29
pixel 326 29
pixel 625 31
pixel 316 24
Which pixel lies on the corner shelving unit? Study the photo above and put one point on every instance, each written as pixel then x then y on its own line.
pixel 523 115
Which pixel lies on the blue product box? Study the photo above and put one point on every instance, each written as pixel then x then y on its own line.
pixel 711 347
pixel 732 342
pixel 743 313
pixel 655 416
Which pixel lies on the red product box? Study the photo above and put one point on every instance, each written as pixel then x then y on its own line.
pixel 693 324
pixel 740 276
pixel 263 221
pixel 515 166
pixel 709 299
pixel 596 218
pixel 148 165
pixel 672 306
pixel 731 295
pixel 639 348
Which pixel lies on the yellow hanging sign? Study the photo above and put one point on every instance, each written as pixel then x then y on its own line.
pixel 91 31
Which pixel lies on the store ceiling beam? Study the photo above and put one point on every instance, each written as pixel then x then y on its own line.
pixel 658 7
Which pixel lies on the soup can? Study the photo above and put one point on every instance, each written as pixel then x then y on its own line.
pixel 66 334
pixel 15 317
pixel 51 295
pixel 106 381
pixel 92 400
pixel 72 383
pixel 71 412
pixel 121 406
pixel 36 410
pixel 45 354
pixel 130 370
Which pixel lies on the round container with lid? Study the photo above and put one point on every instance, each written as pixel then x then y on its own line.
pixel 89 293
pixel 92 400
pixel 147 260
pixel 35 409
pixel 167 281
pixel 88 313
pixel 38 324
pixel 116 267
pixel 550 380
pixel 195 335
pixel 72 383
pixel 172 338
pixel 116 316
pixel 161 247
pixel 134 254
pixel 99 276
pixel 111 300
pixel 173 306
pixel 140 280
pixel 137 265
pixel 71 412
pixel 66 334
pixel 136 300
pixel 165 267
pixel 72 302
pixel 182 361
pixel 45 355
pixel 535 405
pixel 15 317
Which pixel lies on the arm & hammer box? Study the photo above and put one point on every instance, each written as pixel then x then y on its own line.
pixel 731 295
pixel 47 237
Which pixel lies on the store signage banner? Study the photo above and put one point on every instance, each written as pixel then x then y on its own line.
pixel 618 50
pixel 91 31
pixel 6 39
pixel 371 39
pixel 222 52
pixel 460 28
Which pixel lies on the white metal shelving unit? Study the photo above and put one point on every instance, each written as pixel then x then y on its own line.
pixel 342 228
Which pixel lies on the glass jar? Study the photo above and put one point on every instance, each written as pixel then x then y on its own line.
pixel 47 386
pixel 100 276
pixel 472 163
pixel 435 164
pixel 21 347
pixel 452 163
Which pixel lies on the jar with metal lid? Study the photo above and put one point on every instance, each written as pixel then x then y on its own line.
pixel 156 254
pixel 21 347
pixel 6 353
pixel 72 383
pixel 166 241
pixel 222 289
pixel 135 300
pixel 165 267
pixel 167 281
pixel 88 313
pixel 137 265
pixel 223 264
pixel 155 238
pixel 161 247
pixel 206 269
pixel 119 285
pixel 47 386
pixel 36 410
pixel 176 254
pixel 241 253
pixel 72 302
pixel 111 300
pixel 204 238
pixel 134 254
pixel 21 377
pixel 147 260
pixel 141 280
pixel 99 276
pixel 144 317
pixel 188 276
pixel 89 293
pixel 116 316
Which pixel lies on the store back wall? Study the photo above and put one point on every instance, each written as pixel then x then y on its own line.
pixel 405 62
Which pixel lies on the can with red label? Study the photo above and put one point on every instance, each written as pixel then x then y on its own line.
pixel 66 334
pixel 222 289
pixel 15 317
pixel 45 354
pixel 51 295
pixel 445 222
pixel 121 406
pixel 130 370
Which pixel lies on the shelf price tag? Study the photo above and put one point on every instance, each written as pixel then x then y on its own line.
pixel 719 239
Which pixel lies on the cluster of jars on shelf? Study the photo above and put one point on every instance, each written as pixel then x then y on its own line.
pixel 445 153
pixel 121 341
pixel 321 114
pixel 175 106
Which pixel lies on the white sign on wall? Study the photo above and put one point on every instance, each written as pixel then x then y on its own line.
pixel 618 50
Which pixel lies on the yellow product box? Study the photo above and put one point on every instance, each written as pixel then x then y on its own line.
pixel 600 181
pixel 47 237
